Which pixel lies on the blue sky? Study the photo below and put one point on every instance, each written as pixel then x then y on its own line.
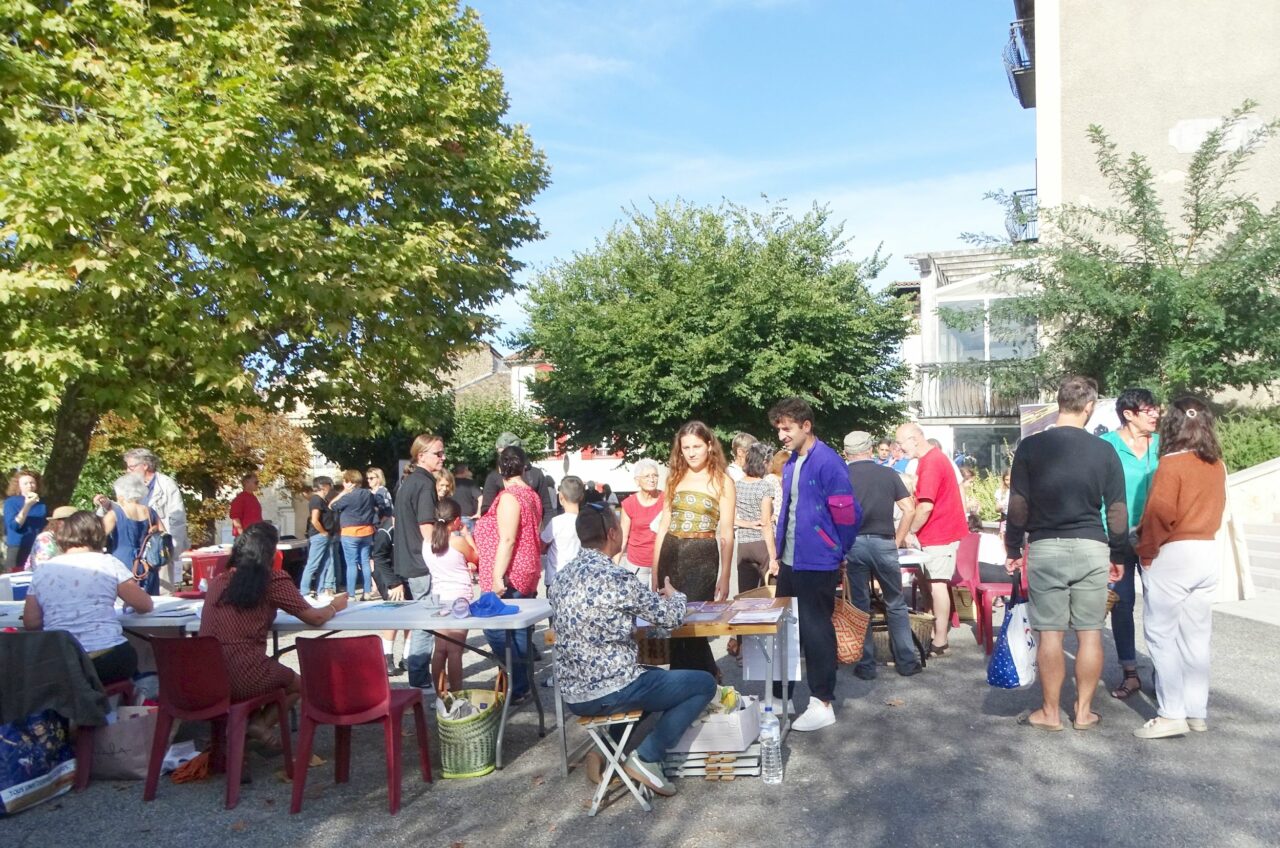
pixel 895 114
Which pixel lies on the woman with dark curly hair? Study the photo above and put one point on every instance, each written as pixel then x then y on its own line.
pixel 1181 561
pixel 238 611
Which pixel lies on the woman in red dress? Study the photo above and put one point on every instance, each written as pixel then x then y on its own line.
pixel 238 611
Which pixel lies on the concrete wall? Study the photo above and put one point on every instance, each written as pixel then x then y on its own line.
pixel 1155 75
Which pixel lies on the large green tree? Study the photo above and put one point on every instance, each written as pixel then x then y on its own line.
pixel 1129 296
pixel 713 313
pixel 207 205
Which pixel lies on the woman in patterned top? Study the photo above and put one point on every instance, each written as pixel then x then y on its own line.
pixel 755 519
pixel 695 537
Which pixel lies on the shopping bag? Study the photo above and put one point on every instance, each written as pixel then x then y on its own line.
pixel 122 749
pixel 850 624
pixel 36 761
pixel 1013 662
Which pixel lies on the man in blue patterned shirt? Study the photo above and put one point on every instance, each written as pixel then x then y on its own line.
pixel 594 604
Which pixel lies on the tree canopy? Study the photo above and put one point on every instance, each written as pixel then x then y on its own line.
pixel 713 313
pixel 217 205
pixel 1126 295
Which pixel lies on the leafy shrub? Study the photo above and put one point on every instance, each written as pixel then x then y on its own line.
pixel 1249 436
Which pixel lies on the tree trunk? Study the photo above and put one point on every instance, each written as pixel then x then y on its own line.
pixel 73 429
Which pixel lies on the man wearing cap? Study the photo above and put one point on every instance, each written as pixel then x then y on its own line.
pixel 537 480
pixel 875 552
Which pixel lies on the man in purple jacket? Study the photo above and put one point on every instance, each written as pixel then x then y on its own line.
pixel 817 525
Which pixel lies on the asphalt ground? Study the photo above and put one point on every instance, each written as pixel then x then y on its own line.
pixel 931 760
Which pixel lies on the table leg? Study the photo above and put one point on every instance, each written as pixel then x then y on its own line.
pixel 533 686
pixel 780 647
pixel 506 702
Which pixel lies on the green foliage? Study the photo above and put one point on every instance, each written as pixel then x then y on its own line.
pixel 713 313
pixel 378 437
pixel 215 204
pixel 983 489
pixel 1249 436
pixel 477 425
pixel 1133 299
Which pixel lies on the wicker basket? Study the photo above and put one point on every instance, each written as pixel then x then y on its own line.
pixel 921 627
pixel 468 746
pixel 1112 598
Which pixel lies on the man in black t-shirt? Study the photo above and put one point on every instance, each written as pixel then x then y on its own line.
pixel 415 509
pixel 467 494
pixel 537 480
pixel 875 553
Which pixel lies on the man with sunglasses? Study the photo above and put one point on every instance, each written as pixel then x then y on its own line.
pixel 1138 446
pixel 594 603
pixel 415 512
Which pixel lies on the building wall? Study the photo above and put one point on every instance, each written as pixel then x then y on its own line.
pixel 1156 76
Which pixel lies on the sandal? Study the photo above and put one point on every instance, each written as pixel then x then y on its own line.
pixel 1125 691
pixel 937 650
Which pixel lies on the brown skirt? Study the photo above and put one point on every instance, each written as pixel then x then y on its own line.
pixel 693 566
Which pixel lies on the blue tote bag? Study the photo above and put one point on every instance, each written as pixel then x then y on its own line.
pixel 1013 662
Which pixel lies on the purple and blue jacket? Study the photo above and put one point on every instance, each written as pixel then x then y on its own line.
pixel 827 513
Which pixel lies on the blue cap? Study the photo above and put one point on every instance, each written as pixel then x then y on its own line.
pixel 490 605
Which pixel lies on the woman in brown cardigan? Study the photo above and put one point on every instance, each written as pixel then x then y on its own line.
pixel 1181 561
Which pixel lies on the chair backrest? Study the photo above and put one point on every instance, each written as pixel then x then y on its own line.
pixel 967 572
pixel 193 675
pixel 344 680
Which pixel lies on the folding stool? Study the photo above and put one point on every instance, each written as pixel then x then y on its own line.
pixel 597 727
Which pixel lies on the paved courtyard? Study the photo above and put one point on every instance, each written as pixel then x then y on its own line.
pixel 930 760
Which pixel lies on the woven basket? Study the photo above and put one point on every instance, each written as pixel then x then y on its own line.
pixel 468 746
pixel 653 651
pixel 1112 598
pixel 921 626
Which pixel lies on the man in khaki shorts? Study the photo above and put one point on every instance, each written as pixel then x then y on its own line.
pixel 938 526
pixel 1062 480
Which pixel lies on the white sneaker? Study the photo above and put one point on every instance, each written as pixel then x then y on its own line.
pixel 816 717
pixel 1199 725
pixel 1161 728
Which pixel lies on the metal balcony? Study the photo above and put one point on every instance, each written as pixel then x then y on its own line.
pixel 1019 61
pixel 1022 222
pixel 960 390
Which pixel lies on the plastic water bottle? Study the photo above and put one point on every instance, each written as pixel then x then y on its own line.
pixel 770 748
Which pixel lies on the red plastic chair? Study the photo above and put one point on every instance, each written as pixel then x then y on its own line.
pixel 194 686
pixel 344 683
pixel 984 596
pixel 84 734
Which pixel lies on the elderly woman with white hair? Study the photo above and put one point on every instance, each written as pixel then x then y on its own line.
pixel 127 520
pixel 639 513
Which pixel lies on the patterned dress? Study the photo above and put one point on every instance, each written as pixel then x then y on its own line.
pixel 243 634
pixel 690 556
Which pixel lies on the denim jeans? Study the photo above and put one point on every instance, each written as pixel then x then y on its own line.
pixel 1122 613
pixel 875 557
pixel 318 558
pixel 355 550
pixel 417 654
pixel 520 649
pixel 679 695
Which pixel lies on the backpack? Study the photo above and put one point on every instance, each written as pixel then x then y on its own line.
pixel 155 553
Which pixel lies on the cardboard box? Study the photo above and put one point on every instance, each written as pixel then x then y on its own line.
pixel 736 731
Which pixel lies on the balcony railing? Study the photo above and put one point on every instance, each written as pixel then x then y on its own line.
pixel 1019 62
pixel 960 390
pixel 1022 221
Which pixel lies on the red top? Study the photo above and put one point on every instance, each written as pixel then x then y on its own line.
pixel 246 509
pixel 936 483
pixel 525 569
pixel 640 538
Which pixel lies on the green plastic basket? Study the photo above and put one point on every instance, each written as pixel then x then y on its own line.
pixel 469 746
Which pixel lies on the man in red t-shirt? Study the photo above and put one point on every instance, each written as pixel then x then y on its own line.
pixel 245 508
pixel 939 525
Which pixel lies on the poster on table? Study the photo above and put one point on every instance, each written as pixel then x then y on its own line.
pixel 755 648
pixel 1036 417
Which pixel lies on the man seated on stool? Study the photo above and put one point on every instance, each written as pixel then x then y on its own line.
pixel 594 602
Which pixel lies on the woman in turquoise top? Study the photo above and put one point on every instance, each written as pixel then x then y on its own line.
pixel 1138 446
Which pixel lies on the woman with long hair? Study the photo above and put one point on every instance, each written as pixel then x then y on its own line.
pixel 239 608
pixel 695 537
pixel 451 558
pixel 1181 561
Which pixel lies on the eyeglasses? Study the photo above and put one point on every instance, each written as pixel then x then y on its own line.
pixel 438 453
pixel 647 477
pixel 1150 410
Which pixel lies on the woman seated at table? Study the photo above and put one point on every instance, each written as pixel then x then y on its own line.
pixel 239 609
pixel 76 591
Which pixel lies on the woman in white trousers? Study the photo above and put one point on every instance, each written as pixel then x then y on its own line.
pixel 1181 562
